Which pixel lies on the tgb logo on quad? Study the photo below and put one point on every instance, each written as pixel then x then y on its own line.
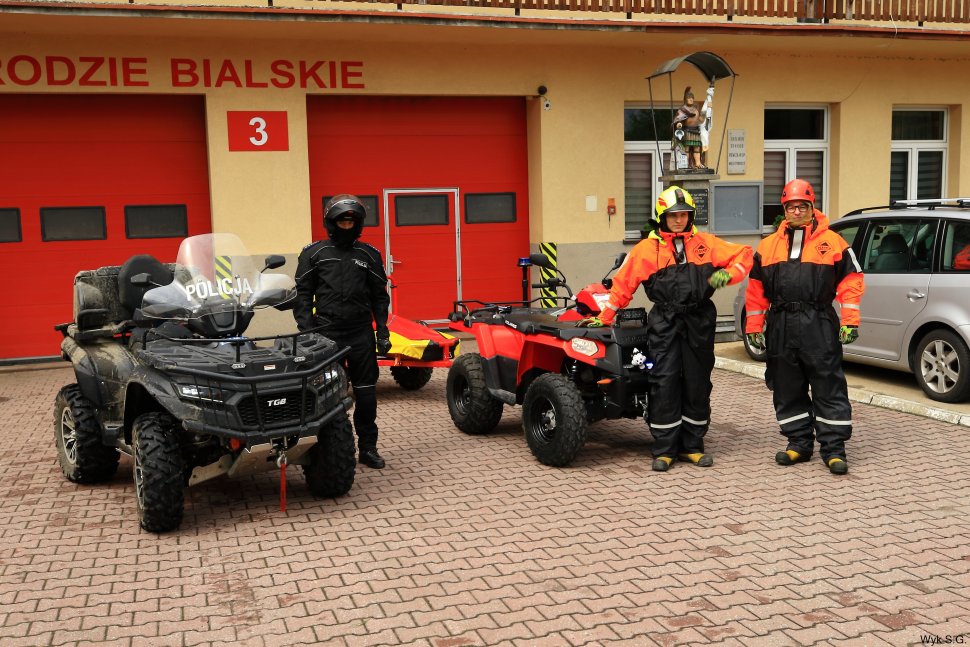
pixel 224 288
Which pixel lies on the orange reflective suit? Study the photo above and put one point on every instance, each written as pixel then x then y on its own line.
pixel 674 269
pixel 797 274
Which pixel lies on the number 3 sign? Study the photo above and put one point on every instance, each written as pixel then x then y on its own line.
pixel 258 131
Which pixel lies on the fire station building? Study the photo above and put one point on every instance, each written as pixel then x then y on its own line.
pixel 476 131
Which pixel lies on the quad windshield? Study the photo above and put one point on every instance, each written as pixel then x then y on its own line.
pixel 218 280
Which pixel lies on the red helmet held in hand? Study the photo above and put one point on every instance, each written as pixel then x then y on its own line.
pixel 798 190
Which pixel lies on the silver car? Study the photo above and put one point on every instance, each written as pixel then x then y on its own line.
pixel 916 308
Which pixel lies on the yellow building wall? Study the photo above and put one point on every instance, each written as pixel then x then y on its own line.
pixel 575 147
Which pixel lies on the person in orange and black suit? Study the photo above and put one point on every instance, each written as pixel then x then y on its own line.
pixel 679 267
pixel 798 271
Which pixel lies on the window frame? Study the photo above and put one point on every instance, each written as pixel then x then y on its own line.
pixel 641 147
pixel 913 147
pixel 791 148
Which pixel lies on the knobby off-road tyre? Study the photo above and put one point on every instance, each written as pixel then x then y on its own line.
pixel 942 366
pixel 159 472
pixel 472 407
pixel 554 419
pixel 77 438
pixel 333 460
pixel 411 378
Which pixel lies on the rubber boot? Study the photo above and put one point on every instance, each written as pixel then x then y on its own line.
pixel 698 458
pixel 790 457
pixel 662 463
pixel 837 465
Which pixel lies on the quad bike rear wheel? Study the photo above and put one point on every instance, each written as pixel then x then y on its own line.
pixel 472 407
pixel 159 472
pixel 77 437
pixel 411 378
pixel 333 460
pixel 554 419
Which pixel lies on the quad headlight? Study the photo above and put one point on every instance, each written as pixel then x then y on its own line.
pixel 329 376
pixel 194 392
pixel 583 346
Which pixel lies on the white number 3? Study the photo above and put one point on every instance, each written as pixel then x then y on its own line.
pixel 261 135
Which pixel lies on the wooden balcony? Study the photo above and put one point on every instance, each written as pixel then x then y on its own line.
pixel 812 11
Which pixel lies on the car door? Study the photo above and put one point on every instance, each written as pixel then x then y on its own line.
pixel 895 259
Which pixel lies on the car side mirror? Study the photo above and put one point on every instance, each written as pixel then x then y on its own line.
pixel 274 261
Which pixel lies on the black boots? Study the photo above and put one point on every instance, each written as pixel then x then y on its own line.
pixel 371 458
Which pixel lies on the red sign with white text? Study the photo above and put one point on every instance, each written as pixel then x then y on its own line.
pixel 258 131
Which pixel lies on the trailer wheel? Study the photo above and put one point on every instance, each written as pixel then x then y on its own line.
pixel 554 419
pixel 411 378
pixel 472 407
pixel 333 460
pixel 159 472
pixel 77 438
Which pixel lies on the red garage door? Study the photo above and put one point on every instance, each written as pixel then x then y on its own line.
pixel 88 181
pixel 446 184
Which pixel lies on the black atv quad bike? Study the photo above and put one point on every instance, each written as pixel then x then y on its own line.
pixel 164 376
pixel 564 376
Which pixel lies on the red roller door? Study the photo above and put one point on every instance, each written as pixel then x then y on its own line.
pixel 102 154
pixel 400 151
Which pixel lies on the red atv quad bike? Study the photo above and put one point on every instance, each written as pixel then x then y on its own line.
pixel 564 376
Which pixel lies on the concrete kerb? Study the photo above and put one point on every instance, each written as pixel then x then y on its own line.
pixel 858 395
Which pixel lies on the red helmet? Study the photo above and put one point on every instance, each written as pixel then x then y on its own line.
pixel 798 190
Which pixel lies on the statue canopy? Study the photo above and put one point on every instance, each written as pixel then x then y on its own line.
pixel 712 66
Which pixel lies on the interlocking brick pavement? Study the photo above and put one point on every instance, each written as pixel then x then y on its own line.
pixel 468 541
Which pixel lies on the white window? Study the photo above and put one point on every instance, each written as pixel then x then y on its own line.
pixel 796 146
pixel 643 132
pixel 918 158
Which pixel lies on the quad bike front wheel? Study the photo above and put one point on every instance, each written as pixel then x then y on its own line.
pixel 333 460
pixel 411 378
pixel 159 472
pixel 77 437
pixel 554 419
pixel 472 407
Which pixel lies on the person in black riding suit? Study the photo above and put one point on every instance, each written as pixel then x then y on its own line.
pixel 342 288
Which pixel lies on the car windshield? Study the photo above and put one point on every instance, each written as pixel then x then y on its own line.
pixel 215 272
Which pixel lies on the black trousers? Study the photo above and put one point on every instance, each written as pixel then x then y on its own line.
pixel 808 385
pixel 361 365
pixel 682 346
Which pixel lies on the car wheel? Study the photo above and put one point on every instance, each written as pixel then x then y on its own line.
pixel 159 472
pixel 77 438
pixel 333 460
pixel 942 366
pixel 473 409
pixel 554 418
pixel 411 378
pixel 753 353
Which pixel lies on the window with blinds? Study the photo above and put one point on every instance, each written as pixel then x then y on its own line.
pixel 646 132
pixel 917 163
pixel 638 192
pixel 796 146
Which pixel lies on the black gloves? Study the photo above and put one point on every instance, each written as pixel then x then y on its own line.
pixel 383 341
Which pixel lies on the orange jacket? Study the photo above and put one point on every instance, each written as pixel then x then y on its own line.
pixel 649 261
pixel 827 270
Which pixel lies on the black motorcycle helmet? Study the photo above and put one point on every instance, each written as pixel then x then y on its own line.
pixel 344 207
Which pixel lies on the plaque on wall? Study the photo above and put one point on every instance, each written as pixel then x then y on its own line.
pixel 701 211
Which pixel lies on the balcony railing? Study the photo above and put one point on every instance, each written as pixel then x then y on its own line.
pixel 821 11
pixel 908 12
